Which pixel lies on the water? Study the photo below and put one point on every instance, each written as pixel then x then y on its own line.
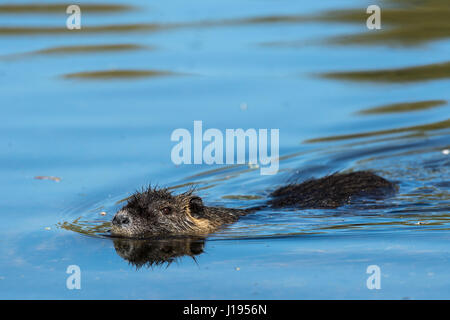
pixel 95 110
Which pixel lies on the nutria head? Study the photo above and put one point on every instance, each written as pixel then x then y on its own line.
pixel 156 212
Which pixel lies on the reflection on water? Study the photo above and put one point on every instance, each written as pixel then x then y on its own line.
pixel 119 74
pixel 16 31
pixel 397 221
pixel 77 50
pixel 420 128
pixel 88 49
pixel 405 23
pixel 404 107
pixel 410 74
pixel 157 252
pixel 58 8
pixel 149 27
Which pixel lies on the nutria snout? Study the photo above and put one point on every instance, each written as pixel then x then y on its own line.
pixel 159 212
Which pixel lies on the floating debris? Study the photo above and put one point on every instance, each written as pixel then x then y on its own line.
pixel 56 179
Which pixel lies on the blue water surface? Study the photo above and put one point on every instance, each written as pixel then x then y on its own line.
pixel 101 139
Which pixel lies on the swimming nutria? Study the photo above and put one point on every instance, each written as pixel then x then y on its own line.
pixel 158 212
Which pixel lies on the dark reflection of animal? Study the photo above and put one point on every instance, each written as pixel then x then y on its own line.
pixel 159 212
pixel 157 252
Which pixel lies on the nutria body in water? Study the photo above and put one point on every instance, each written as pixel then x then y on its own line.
pixel 158 212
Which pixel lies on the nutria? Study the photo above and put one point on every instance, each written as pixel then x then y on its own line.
pixel 158 212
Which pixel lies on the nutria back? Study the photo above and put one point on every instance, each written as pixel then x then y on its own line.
pixel 331 191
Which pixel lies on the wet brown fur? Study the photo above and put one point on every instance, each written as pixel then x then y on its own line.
pixel 159 212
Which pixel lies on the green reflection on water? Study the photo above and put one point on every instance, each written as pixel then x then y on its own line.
pixel 89 48
pixel 421 128
pixel 403 107
pixel 78 49
pixel 117 28
pixel 409 74
pixel 118 74
pixel 403 23
pixel 60 8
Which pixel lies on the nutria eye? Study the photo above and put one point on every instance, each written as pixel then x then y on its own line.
pixel 166 210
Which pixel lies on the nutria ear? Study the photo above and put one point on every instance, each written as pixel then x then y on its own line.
pixel 196 207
